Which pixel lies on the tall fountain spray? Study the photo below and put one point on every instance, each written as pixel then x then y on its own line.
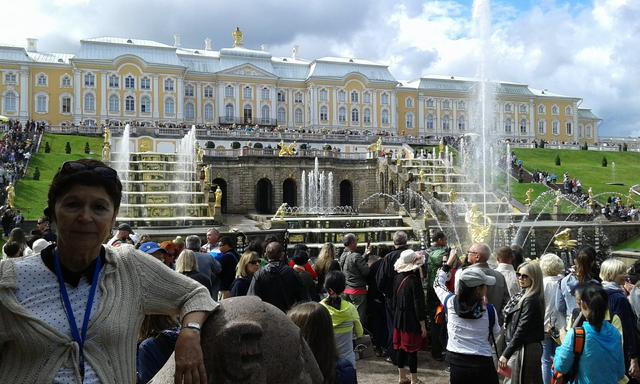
pixel 121 164
pixel 187 163
pixel 316 191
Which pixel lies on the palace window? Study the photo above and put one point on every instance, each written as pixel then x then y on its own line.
pixel 169 106
pixel 41 80
pixel 568 111
pixel 408 118
pixel 341 96
pixel 169 85
pixel 355 115
pixel 114 104
pixel 129 104
pixel 445 123
pixel 507 107
pixel 569 127
pixel 265 94
pixel 409 102
pixel 208 92
pixel 89 102
pixel 297 98
pixel 541 109
pixel 281 97
pixel 430 103
pixel 324 95
pixel 507 125
pixel 429 121
pixel 265 113
pixel 208 112
pixel 324 114
pixel 385 117
pixel 354 96
pixel 367 97
pixel 228 91
pixel 555 128
pixel 228 111
pixel 580 130
pixel 10 78
pixel 282 115
pixel 366 116
pixel 65 104
pixel 555 110
pixel 461 105
pixel 189 111
pixel 145 83
pixel 342 115
pixel 42 104
pixel 523 126
pixel 588 131
pixel 246 92
pixel 89 80
pixel 129 82
pixel 189 90
pixel 298 119
pixel 523 108
pixel 65 82
pixel 461 123
pixel 541 126
pixel 145 104
pixel 114 81
pixel 248 113
pixel 384 99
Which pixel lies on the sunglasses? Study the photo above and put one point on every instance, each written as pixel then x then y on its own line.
pixel 521 275
pixel 71 167
pixel 255 262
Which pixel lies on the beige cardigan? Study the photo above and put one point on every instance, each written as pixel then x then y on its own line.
pixel 133 285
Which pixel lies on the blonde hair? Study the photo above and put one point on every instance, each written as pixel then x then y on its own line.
pixel 325 257
pixel 612 268
pixel 186 262
pixel 533 270
pixel 551 264
pixel 245 259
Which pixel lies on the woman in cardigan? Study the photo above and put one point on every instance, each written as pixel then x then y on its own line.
pixel 524 324
pixel 73 313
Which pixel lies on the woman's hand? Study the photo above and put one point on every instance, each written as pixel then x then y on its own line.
pixel 189 360
pixel 502 363
pixel 423 329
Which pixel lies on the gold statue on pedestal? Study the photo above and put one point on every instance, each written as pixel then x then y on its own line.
pixel 207 174
pixel 199 154
pixel 590 198
pixel 558 198
pixel 106 152
pixel 453 195
pixel 421 176
pixel 527 201
pixel 218 194
pixel 11 196
pixel 107 135
pixel 238 39
pixel 376 147
pixel 479 224
pixel 287 150
pixel 279 215
pixel 563 241
pixel 440 147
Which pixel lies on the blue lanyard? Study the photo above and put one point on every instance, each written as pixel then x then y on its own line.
pixel 77 336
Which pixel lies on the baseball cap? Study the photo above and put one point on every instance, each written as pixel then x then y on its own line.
pixel 473 277
pixel 125 227
pixel 151 247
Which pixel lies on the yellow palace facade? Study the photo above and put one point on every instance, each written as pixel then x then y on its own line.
pixel 115 79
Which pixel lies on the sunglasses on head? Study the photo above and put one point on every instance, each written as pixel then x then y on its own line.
pixel 70 167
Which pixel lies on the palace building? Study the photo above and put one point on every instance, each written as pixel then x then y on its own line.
pixel 115 79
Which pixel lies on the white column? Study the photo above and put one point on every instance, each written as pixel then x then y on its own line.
pixel 374 102
pixel 156 105
pixel 103 95
pixel 199 103
pixel 24 94
pixel 237 111
pixel 334 115
pixel 421 127
pixel 77 83
pixel 180 102
pixel 393 115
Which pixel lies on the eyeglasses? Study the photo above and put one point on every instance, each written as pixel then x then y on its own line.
pixel 70 167
pixel 255 262
pixel 521 275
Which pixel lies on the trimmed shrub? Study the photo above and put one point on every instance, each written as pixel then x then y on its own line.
pixel 558 162
pixel 36 174
pixel 87 150
pixel 604 161
pixel 67 148
pixel 47 147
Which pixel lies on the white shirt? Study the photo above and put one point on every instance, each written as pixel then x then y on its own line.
pixel 552 318
pixel 466 336
pixel 510 276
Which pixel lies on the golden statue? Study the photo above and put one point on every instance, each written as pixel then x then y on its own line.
pixel 207 173
pixel 563 241
pixel 106 152
pixel 376 147
pixel 441 148
pixel 590 199
pixel 11 196
pixel 237 38
pixel 421 176
pixel 453 195
pixel 630 201
pixel 558 198
pixel 199 154
pixel 107 135
pixel 287 150
pixel 527 201
pixel 280 212
pixel 218 202
pixel 479 224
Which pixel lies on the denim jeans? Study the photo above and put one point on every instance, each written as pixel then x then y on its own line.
pixel 548 350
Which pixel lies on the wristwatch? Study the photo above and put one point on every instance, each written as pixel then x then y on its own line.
pixel 194 326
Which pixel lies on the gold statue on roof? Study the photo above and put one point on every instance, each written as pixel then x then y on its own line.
pixel 563 240
pixel 237 38
pixel 479 224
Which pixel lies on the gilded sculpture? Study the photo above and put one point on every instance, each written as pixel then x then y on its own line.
pixel 218 194
pixel 199 153
pixel 562 240
pixel 479 225
pixel 107 135
pixel 558 198
pixel 237 38
pixel 528 194
pixel 287 150
pixel 106 151
pixel 279 215
pixel 590 198
pixel 453 195
pixel 11 195
pixel 630 201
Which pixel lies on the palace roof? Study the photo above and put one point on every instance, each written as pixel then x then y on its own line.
pixel 585 113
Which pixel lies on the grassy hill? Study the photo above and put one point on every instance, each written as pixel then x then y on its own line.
pixel 587 167
pixel 31 195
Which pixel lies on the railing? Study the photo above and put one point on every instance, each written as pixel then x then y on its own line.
pixel 75 130
pixel 272 152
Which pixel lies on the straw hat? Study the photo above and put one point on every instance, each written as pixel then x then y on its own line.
pixel 408 261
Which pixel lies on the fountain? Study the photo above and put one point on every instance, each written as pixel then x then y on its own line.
pixel 121 164
pixel 317 191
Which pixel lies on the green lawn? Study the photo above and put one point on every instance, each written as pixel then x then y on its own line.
pixel 587 167
pixel 629 245
pixel 519 190
pixel 31 195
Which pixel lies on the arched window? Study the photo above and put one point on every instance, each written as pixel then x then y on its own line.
pixel 445 104
pixel 580 130
pixel 507 107
pixel 129 82
pixel 541 109
pixel 324 114
pixel 542 126
pixel 324 95
pixel 228 111
pixel 297 98
pixel 523 108
pixel 265 93
pixel 430 103
pixel 569 128
pixel 429 121
pixel 461 105
pixel 208 112
pixel 354 96
pixel 65 104
pixel 555 110
pixel 588 130
pixel 461 123
pixel 42 80
pixel 507 125
pixel 384 99
pixel 189 111
pixel 555 127
pixel 265 114
pixel 145 104
pixel 65 82
pixel 366 97
pixel 246 92
pixel 42 103
pixel 248 114
pixel 523 126
pixel 281 96
pixel 282 115
pixel 355 115
pixel 169 85
pixel 568 111
pixel 385 116
pixel 228 91
pixel 188 90
pixel 89 102
pixel 208 92
pixel 89 80
pixel 114 104
pixel 409 102
pixel 114 81
pixel 10 78
pixel 408 118
pixel 169 106
pixel 145 83
pixel 366 116
pixel 341 96
pixel 129 104
pixel 445 123
pixel 298 119
pixel 342 115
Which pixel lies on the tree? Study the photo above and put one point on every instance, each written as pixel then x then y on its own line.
pixel 558 162
pixel 36 174
pixel 47 147
pixel 604 161
pixel 67 148
pixel 87 150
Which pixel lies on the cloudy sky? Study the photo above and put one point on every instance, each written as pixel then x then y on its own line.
pixel 584 48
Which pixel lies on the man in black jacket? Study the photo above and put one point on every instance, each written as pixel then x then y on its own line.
pixel 384 280
pixel 277 283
